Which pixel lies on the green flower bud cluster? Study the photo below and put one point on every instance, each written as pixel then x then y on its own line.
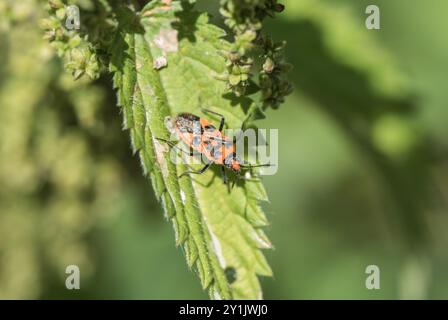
pixel 274 86
pixel 244 15
pixel 238 68
pixel 244 18
pixel 79 48
pixel 53 188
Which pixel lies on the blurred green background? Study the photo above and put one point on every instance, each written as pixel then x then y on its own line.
pixel 362 180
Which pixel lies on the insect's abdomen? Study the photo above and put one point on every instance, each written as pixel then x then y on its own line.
pixel 216 151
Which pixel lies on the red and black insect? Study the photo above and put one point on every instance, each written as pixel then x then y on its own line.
pixel 201 136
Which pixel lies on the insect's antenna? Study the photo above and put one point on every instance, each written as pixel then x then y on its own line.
pixel 256 165
pixel 163 140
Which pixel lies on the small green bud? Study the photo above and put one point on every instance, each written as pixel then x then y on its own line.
pixel 49 35
pixel 78 73
pixel 234 56
pixel 234 79
pixel 49 23
pixel 268 65
pixel 245 68
pixel 265 81
pixel 78 56
pixel 279 7
pixel 56 4
pixel 74 41
pixel 235 70
pixel 267 93
pixel 59 33
pixel 60 13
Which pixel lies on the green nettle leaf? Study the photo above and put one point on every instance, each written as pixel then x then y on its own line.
pixel 169 63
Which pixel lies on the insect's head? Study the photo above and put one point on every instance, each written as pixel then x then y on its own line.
pixel 183 123
pixel 187 123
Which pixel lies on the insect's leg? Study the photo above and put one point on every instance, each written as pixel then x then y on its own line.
pixel 224 175
pixel 197 172
pixel 233 184
pixel 225 178
pixel 221 124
